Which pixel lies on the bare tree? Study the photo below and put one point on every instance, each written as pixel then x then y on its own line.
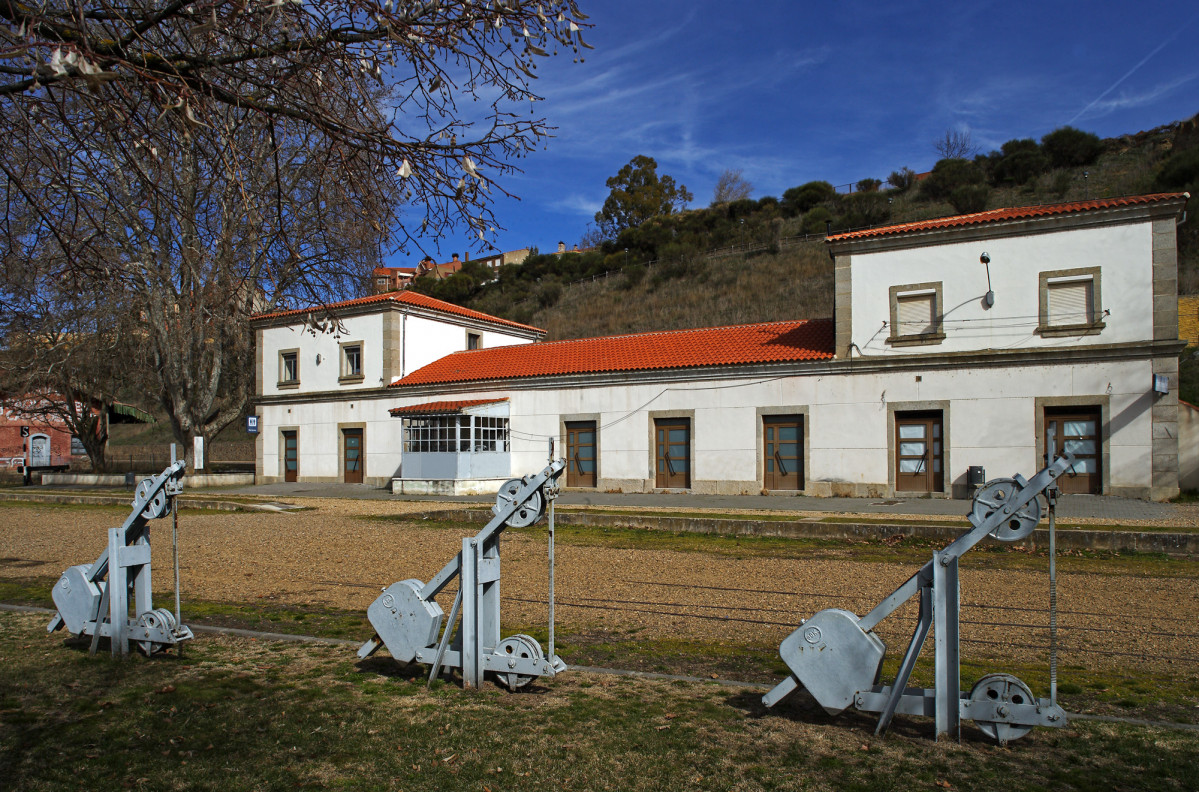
pixel 65 359
pixel 731 186
pixel 591 237
pixel 214 158
pixel 956 144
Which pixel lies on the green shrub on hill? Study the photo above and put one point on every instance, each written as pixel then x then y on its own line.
pixel 863 210
pixel 948 175
pixel 1017 162
pixel 798 200
pixel 1180 171
pixel 903 179
pixel 1068 147
pixel 970 198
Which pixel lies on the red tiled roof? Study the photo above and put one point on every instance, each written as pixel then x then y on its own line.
pixel 414 299
pixel 1012 213
pixel 389 270
pixel 441 407
pixel 772 342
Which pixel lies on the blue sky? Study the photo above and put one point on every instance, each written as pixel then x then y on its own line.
pixel 789 92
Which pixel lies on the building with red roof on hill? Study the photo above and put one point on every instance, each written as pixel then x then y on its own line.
pixel 959 347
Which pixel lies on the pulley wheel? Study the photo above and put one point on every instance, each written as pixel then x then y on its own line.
pixel 518 646
pixel 1002 689
pixel 160 619
pixel 157 505
pixel 527 513
pixel 993 497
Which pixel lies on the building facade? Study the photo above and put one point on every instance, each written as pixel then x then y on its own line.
pixel 993 340
pixel 322 394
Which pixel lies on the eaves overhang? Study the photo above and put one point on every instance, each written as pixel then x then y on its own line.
pixel 1019 221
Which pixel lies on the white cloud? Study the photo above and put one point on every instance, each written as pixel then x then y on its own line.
pixel 1102 107
pixel 579 204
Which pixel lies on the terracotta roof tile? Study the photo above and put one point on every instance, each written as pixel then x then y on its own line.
pixel 412 298
pixel 441 407
pixel 772 342
pixel 1012 213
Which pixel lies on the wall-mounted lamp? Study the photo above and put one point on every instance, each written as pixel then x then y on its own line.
pixel 989 299
pixel 318 358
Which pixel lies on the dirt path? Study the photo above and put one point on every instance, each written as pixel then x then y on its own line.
pixel 328 557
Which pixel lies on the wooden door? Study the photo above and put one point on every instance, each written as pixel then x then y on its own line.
pixel 291 456
pixel 672 457
pixel 353 460
pixel 580 454
pixel 918 452
pixel 1076 430
pixel 782 452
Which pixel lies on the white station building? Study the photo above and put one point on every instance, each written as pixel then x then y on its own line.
pixel 991 340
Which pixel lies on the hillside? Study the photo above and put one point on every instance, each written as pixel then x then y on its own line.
pixel 702 291
pixel 764 260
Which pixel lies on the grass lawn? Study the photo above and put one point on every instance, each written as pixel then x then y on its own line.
pixel 236 714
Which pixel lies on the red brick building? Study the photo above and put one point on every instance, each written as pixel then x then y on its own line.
pixel 41 441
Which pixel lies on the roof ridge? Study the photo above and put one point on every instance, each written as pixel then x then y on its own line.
pixel 401 297
pixel 652 333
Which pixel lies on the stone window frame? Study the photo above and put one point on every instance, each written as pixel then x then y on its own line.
pixel 654 416
pixel 475 334
pixel 948 488
pixel 799 410
pixel 897 293
pixel 1096 323
pixel 289 383
pixel 1103 403
pixel 345 378
pixel 595 418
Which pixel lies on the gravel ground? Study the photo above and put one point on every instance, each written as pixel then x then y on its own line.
pixel 327 557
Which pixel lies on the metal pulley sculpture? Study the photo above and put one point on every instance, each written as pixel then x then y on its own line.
pixel 94 599
pixel 408 620
pixel 837 658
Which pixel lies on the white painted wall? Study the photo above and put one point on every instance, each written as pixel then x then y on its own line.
pixel 427 340
pixel 1126 288
pixel 315 377
pixel 991 421
pixel 319 438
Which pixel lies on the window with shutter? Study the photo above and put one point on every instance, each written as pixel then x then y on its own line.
pixel 915 314
pixel 1070 303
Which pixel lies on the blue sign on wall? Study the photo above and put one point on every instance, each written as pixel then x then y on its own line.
pixel 252 424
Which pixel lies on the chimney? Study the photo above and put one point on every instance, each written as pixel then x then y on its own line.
pixel 455 257
pixel 561 247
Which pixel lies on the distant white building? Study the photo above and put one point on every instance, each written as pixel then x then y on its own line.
pixel 991 340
